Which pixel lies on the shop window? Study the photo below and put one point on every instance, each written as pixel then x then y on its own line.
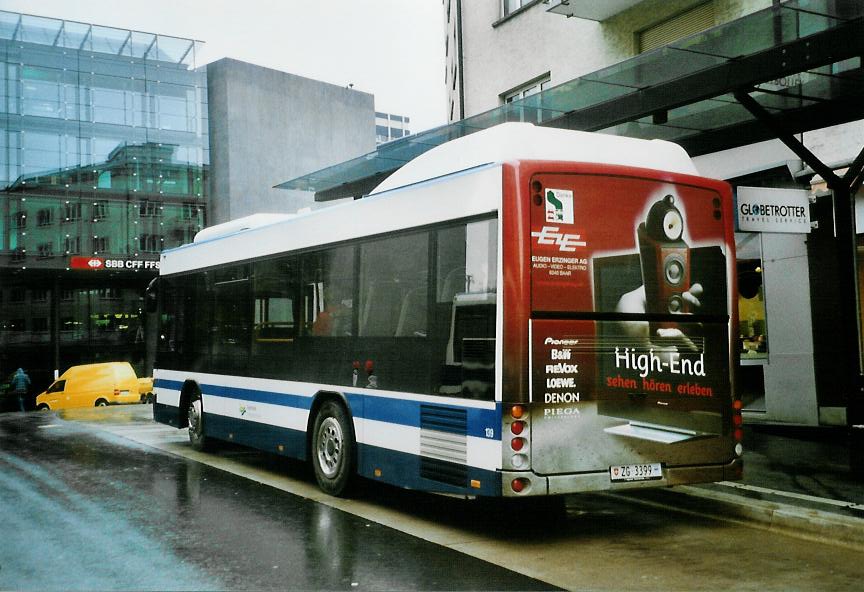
pixel 752 326
pixel 109 293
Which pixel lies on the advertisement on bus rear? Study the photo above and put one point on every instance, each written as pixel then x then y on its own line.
pixel 631 282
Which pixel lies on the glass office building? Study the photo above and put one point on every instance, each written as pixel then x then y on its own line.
pixel 103 164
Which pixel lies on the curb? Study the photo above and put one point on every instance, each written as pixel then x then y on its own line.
pixel 800 522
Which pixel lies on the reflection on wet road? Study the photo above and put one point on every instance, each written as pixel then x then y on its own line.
pixel 107 499
pixel 83 509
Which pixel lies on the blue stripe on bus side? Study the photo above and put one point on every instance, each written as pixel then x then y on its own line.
pixel 396 468
pixel 482 423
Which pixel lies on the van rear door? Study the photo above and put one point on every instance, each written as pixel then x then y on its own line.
pixel 630 324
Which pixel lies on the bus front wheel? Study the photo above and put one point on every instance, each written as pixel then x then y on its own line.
pixel 333 449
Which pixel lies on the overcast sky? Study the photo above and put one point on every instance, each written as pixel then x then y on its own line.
pixel 393 49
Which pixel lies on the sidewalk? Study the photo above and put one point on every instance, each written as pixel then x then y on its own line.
pixel 796 480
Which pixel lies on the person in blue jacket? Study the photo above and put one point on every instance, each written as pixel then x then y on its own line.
pixel 19 386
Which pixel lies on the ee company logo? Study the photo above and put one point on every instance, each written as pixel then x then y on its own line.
pixel 551 235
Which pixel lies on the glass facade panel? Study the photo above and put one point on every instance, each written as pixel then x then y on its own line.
pixel 95 121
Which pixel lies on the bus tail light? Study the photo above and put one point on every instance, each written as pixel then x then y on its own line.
pixel 737 425
pixel 517 429
pixel 520 484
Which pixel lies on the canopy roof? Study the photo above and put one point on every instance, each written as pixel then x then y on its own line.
pixel 801 61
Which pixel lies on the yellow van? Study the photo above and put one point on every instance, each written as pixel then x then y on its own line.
pixel 92 385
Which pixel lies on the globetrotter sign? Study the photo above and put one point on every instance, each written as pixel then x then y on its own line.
pixel 773 210
pixel 99 263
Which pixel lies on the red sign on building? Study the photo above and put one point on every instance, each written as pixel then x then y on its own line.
pixel 94 263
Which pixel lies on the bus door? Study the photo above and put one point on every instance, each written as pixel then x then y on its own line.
pixel 630 324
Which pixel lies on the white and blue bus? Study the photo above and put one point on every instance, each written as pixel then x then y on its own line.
pixel 520 312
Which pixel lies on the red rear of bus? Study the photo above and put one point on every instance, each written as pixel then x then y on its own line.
pixel 618 303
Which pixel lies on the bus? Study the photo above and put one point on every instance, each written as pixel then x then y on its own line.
pixel 523 311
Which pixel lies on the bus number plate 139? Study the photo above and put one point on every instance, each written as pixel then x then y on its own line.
pixel 643 472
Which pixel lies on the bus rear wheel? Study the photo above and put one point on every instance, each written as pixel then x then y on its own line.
pixel 195 416
pixel 101 403
pixel 333 449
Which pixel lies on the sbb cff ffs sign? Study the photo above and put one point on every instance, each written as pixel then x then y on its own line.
pixel 98 263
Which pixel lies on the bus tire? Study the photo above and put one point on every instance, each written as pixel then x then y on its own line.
pixel 195 417
pixel 333 456
pixel 101 403
pixel 43 407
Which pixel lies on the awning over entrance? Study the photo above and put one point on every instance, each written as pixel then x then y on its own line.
pixel 801 61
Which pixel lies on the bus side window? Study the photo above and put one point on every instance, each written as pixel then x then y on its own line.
pixel 275 296
pixel 328 293
pixel 393 287
pixel 464 332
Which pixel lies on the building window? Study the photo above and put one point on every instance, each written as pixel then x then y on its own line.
pixel 40 295
pixel 19 254
pixel 684 24
pixel 17 295
pixel 511 6
pixel 100 244
pixel 150 243
pixel 40 325
pixel 72 245
pixel 71 212
pixel 45 250
pixel 190 211
pixel 20 220
pixel 149 209
pixel 100 210
pixel 528 89
pixel 67 295
pixel 44 217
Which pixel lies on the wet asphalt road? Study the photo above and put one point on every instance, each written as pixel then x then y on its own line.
pixel 104 498
pixel 81 509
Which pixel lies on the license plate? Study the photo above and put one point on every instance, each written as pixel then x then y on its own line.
pixel 643 472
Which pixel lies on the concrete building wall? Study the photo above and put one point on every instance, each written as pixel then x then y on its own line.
pixel 501 54
pixel 268 126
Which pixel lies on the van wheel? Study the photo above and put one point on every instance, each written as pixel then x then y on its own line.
pixel 101 403
pixel 195 416
pixel 333 449
pixel 43 407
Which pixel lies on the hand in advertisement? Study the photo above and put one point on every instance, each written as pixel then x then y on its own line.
pixel 664 338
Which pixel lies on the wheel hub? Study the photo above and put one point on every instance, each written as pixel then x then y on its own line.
pixel 329 447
